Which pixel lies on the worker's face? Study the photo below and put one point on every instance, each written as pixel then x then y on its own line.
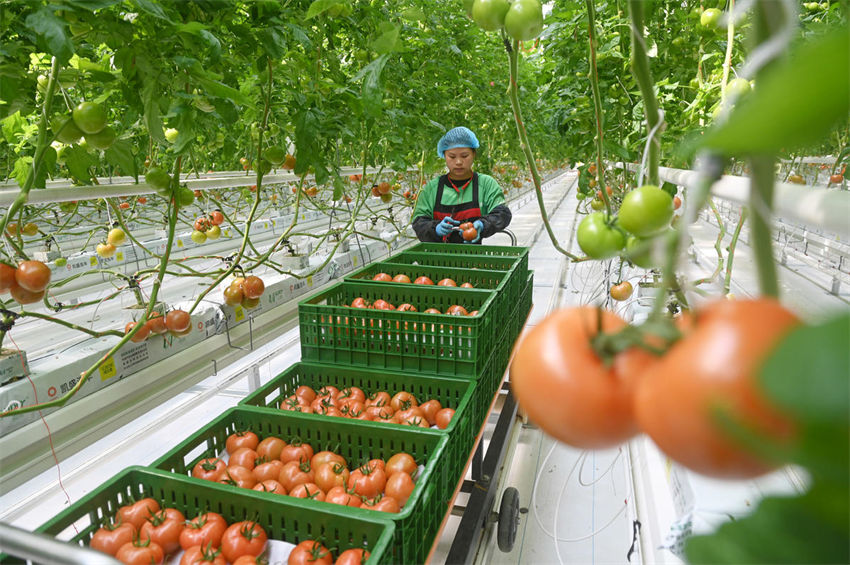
pixel 459 162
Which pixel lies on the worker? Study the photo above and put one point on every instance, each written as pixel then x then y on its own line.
pixel 459 196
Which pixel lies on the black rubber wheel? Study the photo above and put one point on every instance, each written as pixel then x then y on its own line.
pixel 508 519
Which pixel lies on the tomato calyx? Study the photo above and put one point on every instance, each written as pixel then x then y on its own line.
pixel 608 345
pixel 249 530
pixel 209 464
pixel 209 553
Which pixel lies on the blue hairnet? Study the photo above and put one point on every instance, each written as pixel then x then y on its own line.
pixel 457 137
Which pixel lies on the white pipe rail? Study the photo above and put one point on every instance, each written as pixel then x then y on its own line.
pixel 64 191
pixel 827 209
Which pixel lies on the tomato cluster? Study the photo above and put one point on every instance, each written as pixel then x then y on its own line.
pixel 351 402
pixel 27 283
pixel 381 304
pixel 295 469
pixel 177 322
pixel 245 291
pixel 144 533
pixel 311 552
pixel 695 400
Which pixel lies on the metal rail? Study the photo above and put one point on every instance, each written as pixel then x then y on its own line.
pixel 828 209
pixel 43 549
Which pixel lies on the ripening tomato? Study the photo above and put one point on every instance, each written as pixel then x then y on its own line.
pixel 233 295
pixel 353 556
pixel 164 528
pixel 7 277
pixel 711 375
pixel 24 296
pixel 270 447
pixel 836 178
pixel 360 302
pixel 566 388
pixel 140 335
pixel 401 463
pixel 178 321
pixel 253 287
pixel 446 282
pixel 406 308
pixel 204 529
pixel 402 401
pixel 469 234
pixel 622 290
pixel 310 552
pixel 243 538
pixel 156 323
pixel 111 537
pixel 382 277
pixel 33 276
pixel 137 512
pixel 401 278
pixel 381 304
pixel 467 285
pixel 138 552
pixel 430 409
pixel 331 474
pixel 423 280
pixel 216 217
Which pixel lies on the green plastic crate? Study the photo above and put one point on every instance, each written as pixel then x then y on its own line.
pixel 523 306
pixel 454 260
pixel 282 518
pixel 452 393
pixel 518 254
pixel 333 332
pixel 357 441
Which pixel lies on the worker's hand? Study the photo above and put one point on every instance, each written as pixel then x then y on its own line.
pixel 479 227
pixel 444 228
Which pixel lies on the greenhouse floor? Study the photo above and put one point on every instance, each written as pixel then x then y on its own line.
pixel 590 501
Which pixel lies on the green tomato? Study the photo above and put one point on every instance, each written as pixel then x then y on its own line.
pixel 89 117
pixel 710 18
pixel 597 204
pixel 597 238
pixel 638 252
pixel 646 211
pixel 737 87
pixel 159 179
pixel 490 14
pixel 66 130
pixel 213 232
pixel 102 139
pixel 171 135
pixel 198 237
pixel 60 262
pixel 185 196
pixel 275 155
pixel 524 20
pixel 263 166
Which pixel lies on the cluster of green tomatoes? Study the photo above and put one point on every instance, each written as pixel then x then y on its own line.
pixel 522 19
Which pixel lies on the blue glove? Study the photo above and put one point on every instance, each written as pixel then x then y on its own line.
pixel 479 227
pixel 444 228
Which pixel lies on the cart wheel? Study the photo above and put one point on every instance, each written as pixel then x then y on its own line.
pixel 508 519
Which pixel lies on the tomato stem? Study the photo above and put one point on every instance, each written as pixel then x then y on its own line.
pixel 597 103
pixel 643 76
pixel 727 282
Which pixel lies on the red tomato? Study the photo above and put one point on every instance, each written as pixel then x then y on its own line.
pixel 469 234
pixel 250 560
pixel 836 179
pixel 406 308
pixel 270 447
pixel 323 457
pixel 381 304
pixel 243 457
pixel 380 398
pixel 253 287
pixel 368 480
pixel 382 277
pixel 197 555
pixel 308 490
pixel 401 463
pixel 268 470
pixel 239 477
pixel 124 205
pixel 354 556
pixel 467 285
pixel 137 512
pixel 566 388
pixel 111 537
pixel 331 474
pixel 209 469
pixel 384 504
pixel 33 276
pixel 270 485
pixel 444 418
pixel 7 277
pixel 140 335
pixel 353 393
pixel 402 401
pixel 203 529
pixel 423 280
pixel 243 538
pixel 379 413
pixel 156 323
pixel 401 278
pixel 295 473
pixel 24 296
pixel 216 218
pixel 457 310
pixel 140 553
pixel 164 528
pixel 713 371
pixel 446 282
pixel 305 392
pixel 341 496
pixel 202 224
pixel 296 451
pixel 359 302
pixel 310 552
pixel 243 438
pixel 400 486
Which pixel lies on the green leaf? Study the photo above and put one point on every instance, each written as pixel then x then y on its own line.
pixel 22 169
pixel 386 39
pixel 339 187
pixel 150 100
pixel 12 126
pixel 48 161
pixel 796 104
pixel 221 90
pixel 821 354
pixel 92 5
pixel 152 9
pixel 373 92
pixel 319 7
pixel 53 32
pixel 273 41
pixel 120 154
pixel 78 161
